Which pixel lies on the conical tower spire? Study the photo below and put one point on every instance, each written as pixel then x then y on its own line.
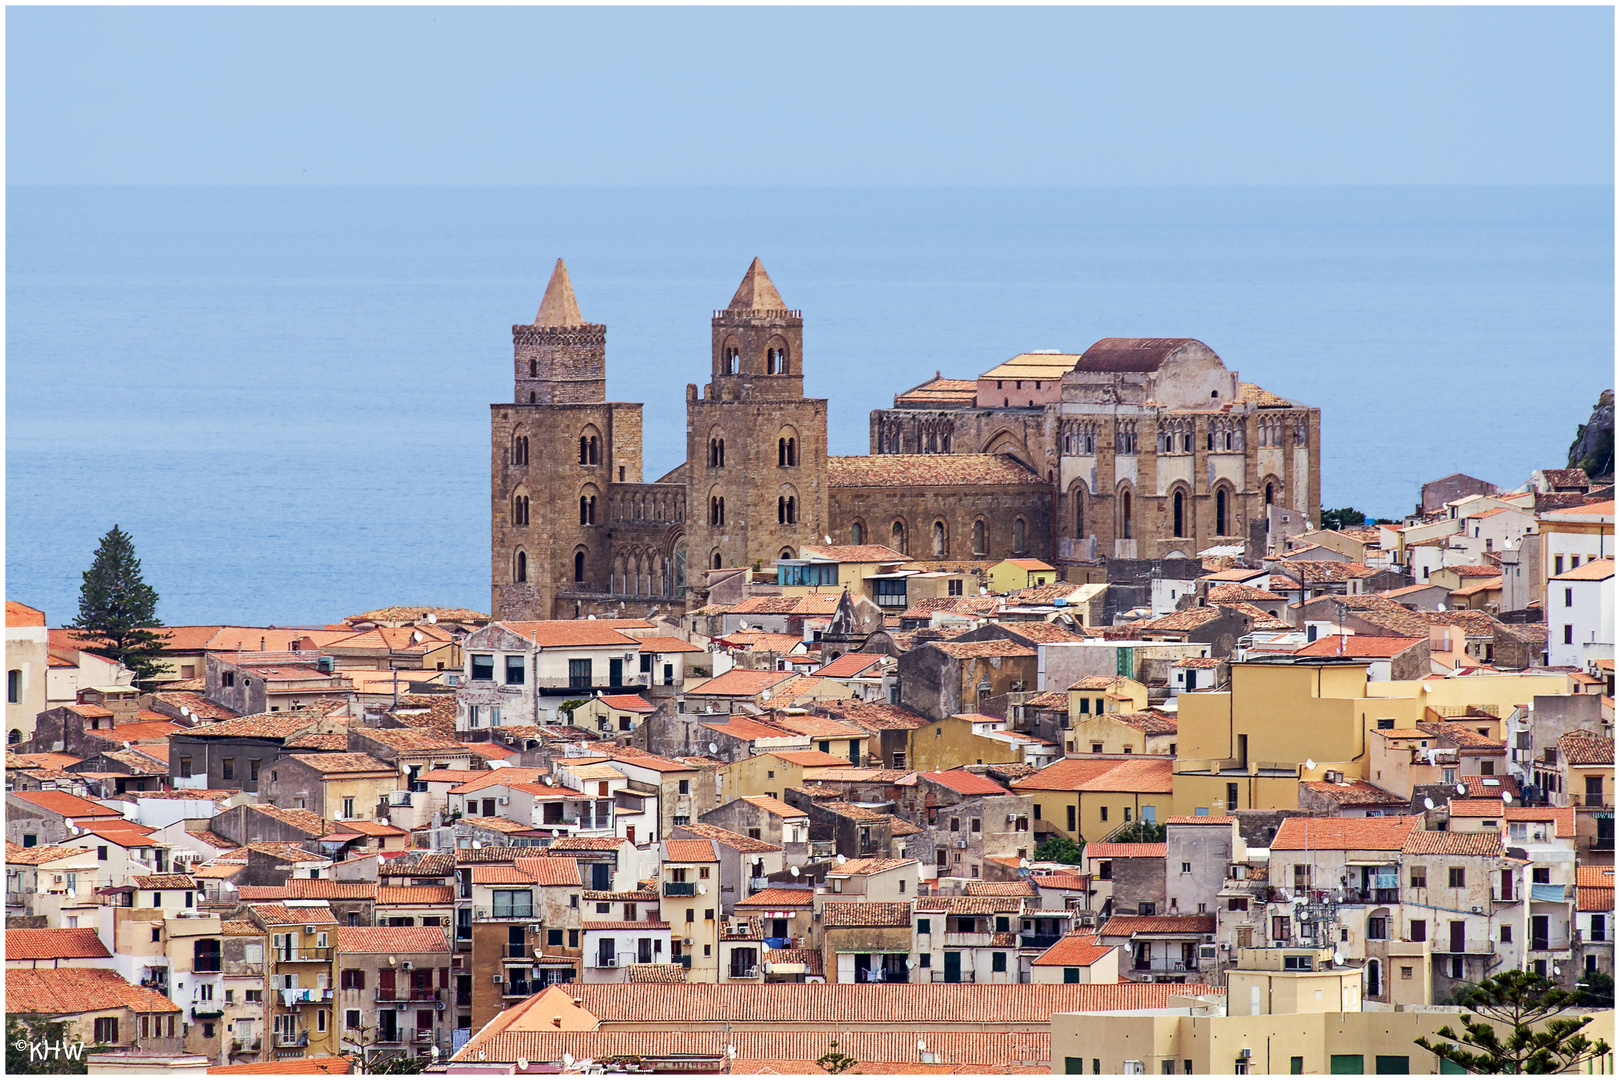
pixel 558 307
pixel 756 293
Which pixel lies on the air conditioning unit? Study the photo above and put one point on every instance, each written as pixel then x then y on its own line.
pixel 1012 817
pixel 752 972
pixel 502 801
pixel 610 961
pixel 1208 952
pixel 439 1005
pixel 496 979
pixel 961 843
pixel 309 929
pixel 686 941
pixel 534 928
pixel 766 967
pixel 405 965
pixel 1477 909
pixel 399 1007
pixel 1246 1053
pixel 1209 938
pixel 1333 776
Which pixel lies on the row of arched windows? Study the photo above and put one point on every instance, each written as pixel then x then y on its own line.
pixel 1125 437
pixel 717 453
pixel 787 510
pixel 787 452
pixel 520 509
pixel 1080 437
pixel 730 360
pixel 776 361
pixel 1176 436
pixel 939 537
pixel 636 572
pixel 647 508
pixel 520 449
pixel 1181 523
pixel 590 451
pixel 717 510
pixel 1225 436
pixel 587 509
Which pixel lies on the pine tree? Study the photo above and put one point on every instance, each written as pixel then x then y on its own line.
pixel 117 610
pixel 1538 1039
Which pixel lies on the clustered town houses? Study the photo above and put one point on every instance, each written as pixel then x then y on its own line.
pixel 1053 735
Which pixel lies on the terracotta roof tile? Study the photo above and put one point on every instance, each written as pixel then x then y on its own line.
pixel 415 894
pixel 928 470
pixel 1110 850
pixel 690 851
pixel 54 944
pixel 1127 925
pixel 965 783
pixel 569 633
pixel 1360 646
pixel 1344 834
pixel 392 939
pixel 779 896
pixel 332 1065
pixel 735 841
pixel 837 914
pixel 1430 842
pixel 18 614
pixel 1356 793
pixel 740 682
pixel 1586 748
pixel 67 991
pixel 280 725
pixel 343 763
pixel 1073 950
pixel 965 650
pixel 971 905
pixel 68 806
pixel 775 807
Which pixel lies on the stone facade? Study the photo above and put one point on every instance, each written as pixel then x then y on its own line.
pixel 1139 448
pixel 1154 446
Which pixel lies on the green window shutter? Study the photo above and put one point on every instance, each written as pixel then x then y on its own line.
pixel 1392 1065
pixel 1074 1066
pixel 1346 1065
pixel 1448 1067
pixel 1296 1066
pixel 1071 975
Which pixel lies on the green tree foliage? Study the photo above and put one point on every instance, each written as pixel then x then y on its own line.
pixel 1140 832
pixel 835 1062
pixel 1538 1039
pixel 1059 848
pixel 39 1046
pixel 117 609
pixel 1597 990
pixel 1345 518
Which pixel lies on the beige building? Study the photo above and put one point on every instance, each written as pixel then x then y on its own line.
pixel 27 661
pixel 689 881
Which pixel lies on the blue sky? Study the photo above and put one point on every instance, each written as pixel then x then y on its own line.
pixel 794 96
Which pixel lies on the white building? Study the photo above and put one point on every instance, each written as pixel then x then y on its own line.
pixel 1580 614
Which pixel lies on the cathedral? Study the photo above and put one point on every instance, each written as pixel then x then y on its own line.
pixel 1136 448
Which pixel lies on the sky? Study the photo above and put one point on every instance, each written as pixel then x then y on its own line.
pixel 795 96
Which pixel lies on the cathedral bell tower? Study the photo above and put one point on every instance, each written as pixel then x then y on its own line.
pixel 756 446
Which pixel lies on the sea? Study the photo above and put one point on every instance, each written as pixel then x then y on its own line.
pixel 283 393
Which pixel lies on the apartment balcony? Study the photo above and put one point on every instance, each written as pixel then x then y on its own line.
pixel 937 975
pixel 423 1036
pixel 680 888
pixel 965 940
pixel 1600 843
pixel 407 994
pixel 604 962
pixel 758 884
pixel 1500 896
pixel 1038 941
pixel 301 956
pixel 517 989
pixel 685 960
pixel 820 849
pixel 1158 966
pixel 1555 946
pixel 516 952
pixel 283 1039
pixel 1592 801
pixel 463 999
pixel 246 1046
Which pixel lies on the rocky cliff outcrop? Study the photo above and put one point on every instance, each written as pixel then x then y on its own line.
pixel 1593 448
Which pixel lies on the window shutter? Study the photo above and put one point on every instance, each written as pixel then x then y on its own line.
pixel 444 978
pixel 385 979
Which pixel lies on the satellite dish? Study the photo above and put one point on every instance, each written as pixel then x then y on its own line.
pixel 1462 789
pixel 922 1045
pixel 185 710
pixel 827 538
pixel 841 860
pixel 1440 607
pixel 731 1051
pixel 910 963
pixel 568 1059
pixel 1557 970
pixel 713 748
pixel 1338 957
pixel 1507 796
pixel 794 870
pixel 432 618
pixel 416 636
pixel 703 890
pixel 522 1063
pixel 392 962
pixel 1428 804
pixel 1309 764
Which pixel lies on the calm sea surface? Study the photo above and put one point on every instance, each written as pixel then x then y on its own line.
pixel 283 393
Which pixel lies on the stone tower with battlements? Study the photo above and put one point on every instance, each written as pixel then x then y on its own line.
pixel 756 447
pixel 558 451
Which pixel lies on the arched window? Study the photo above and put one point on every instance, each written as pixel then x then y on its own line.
pixel 793 510
pixel 531 397
pixel 939 539
pixel 897 537
pixel 1373 989
pixel 579 566
pixel 520 509
pixel 584 450
pixel 1079 497
pixel 596 451
pixel 1018 536
pixel 520 568
pixel 1268 494
pixel 680 566
pixel 14 736
pixel 857 533
pixel 717 453
pixel 1125 515
pixel 978 537
pixel 787 553
pixel 534 369
pixel 1220 512
pixel 520 449
pixel 1178 526
pixel 716 562
pixel 792 452
pixel 945 443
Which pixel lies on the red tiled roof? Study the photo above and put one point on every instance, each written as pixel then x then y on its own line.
pixel 740 682
pixel 1105 850
pixel 966 650
pixel 965 783
pixel 68 991
pixel 414 894
pixel 1073 950
pixel 1359 646
pixel 837 914
pixel 344 763
pixel 689 851
pixel 627 702
pixel 928 470
pixel 735 841
pixel 774 806
pixel 392 939
pixel 1431 842
pixel 854 553
pixel 1344 834
pixel 68 806
pixel 849 665
pixel 1356 793
pixel 1127 925
pixel 779 896
pixel 334 1065
pixel 570 633
pixel 18 614
pixel 54 944
pixel 257 726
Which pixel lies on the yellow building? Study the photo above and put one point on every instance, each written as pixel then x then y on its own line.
pixel 1287 719
pixel 1012 574
pixel 970 739
pixel 832 568
pixel 303 939
pixel 1315 1043
pixel 773 773
pixel 1088 798
pixel 1124 733
pixel 690 901
pixel 1105 694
